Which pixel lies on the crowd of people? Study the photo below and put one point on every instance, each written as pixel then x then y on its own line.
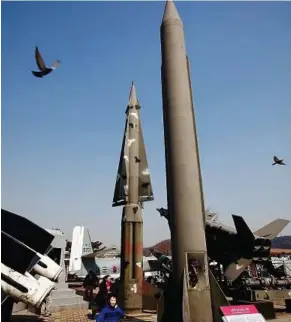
pixel 106 298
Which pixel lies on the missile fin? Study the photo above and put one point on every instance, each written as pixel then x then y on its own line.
pixel 122 181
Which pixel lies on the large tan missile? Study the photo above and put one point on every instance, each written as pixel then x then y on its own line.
pixel 184 184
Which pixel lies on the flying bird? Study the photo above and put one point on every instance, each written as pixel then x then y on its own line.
pixel 278 161
pixel 43 70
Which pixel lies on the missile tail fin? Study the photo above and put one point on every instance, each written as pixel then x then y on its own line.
pixel 30 234
pixel 15 255
pixel 120 191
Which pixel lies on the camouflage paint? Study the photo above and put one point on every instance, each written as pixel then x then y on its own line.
pixel 133 187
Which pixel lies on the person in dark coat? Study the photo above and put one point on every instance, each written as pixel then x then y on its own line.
pixel 115 286
pixel 104 291
pixel 90 283
pixel 111 312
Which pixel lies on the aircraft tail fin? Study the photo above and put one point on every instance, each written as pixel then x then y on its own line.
pixel 242 228
pixel 272 229
pixel 256 245
pixel 81 245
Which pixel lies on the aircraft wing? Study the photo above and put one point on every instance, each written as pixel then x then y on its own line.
pixel 91 255
pixel 272 229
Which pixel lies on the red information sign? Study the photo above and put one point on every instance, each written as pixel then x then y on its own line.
pixel 241 313
pixel 238 309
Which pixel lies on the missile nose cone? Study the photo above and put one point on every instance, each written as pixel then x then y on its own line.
pixel 171 12
pixel 132 96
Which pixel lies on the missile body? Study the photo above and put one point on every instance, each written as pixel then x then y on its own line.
pixel 132 219
pixel 184 185
pixel 132 188
pixel 24 249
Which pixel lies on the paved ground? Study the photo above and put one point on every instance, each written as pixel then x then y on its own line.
pixel 72 315
pixel 282 317
pixel 81 315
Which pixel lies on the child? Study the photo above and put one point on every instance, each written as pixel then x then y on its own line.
pixel 111 313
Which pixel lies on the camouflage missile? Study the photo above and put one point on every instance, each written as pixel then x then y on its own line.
pixel 133 188
pixel 184 184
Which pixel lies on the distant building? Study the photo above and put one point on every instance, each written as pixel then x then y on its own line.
pixel 112 251
pixel 280 251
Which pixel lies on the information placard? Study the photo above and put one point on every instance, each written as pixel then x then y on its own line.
pixel 241 313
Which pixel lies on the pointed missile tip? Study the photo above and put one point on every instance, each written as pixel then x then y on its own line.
pixel 132 96
pixel 171 12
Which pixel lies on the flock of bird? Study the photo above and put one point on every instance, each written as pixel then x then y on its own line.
pixel 44 70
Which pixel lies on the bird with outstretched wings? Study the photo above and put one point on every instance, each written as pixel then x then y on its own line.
pixel 43 69
pixel 278 161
